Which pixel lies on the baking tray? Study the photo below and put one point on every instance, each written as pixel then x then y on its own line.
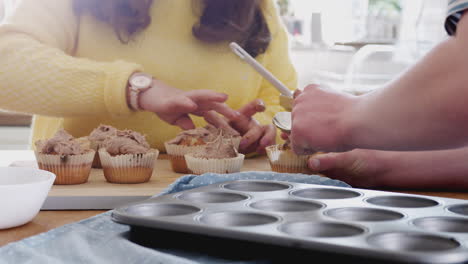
pixel 368 224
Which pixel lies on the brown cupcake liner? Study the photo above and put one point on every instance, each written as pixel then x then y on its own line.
pixel 128 168
pixel 176 156
pixel 178 164
pixel 69 169
pixel 202 165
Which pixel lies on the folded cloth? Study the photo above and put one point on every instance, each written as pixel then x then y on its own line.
pixel 100 240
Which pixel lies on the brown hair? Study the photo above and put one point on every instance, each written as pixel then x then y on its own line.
pixel 220 20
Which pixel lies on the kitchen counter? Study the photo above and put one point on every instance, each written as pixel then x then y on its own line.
pixel 47 220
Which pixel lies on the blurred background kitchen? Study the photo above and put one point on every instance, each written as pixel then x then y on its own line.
pixel 352 45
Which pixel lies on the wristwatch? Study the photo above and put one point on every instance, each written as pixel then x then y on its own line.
pixel 138 82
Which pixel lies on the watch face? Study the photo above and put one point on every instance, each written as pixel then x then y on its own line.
pixel 141 81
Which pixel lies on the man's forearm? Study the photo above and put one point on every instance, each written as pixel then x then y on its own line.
pixel 426 169
pixel 425 108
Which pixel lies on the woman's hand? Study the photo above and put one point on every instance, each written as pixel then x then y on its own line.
pixel 255 137
pixel 318 120
pixel 174 106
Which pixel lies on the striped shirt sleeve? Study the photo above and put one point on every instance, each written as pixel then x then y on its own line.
pixel 455 10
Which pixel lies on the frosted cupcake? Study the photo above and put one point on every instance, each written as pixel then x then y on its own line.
pixel 283 159
pixel 127 158
pixel 219 156
pixel 227 134
pixel 190 141
pixel 68 158
pixel 97 138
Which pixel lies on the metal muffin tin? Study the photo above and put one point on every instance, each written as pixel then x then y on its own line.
pixel 357 222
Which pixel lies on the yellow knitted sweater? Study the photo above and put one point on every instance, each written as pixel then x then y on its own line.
pixel 72 72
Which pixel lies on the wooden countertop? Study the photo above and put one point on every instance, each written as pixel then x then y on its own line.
pixel 47 220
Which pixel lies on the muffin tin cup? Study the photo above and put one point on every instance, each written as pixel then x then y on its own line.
pixel 413 242
pixel 213 197
pixel 443 224
pixel 325 193
pixel 459 209
pixel 402 201
pixel 237 219
pixel 368 224
pixel 364 214
pixel 256 186
pixel 286 205
pixel 314 229
pixel 162 210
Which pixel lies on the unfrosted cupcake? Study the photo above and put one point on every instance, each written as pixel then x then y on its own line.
pixel 283 159
pixel 97 138
pixel 127 158
pixel 218 156
pixel 68 158
pixel 190 141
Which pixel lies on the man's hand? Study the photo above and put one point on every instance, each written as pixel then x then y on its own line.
pixel 318 120
pixel 359 168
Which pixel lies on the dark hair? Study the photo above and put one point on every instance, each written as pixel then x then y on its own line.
pixel 220 20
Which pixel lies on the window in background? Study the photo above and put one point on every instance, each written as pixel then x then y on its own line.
pixel 2 10
pixel 340 21
pixel 359 45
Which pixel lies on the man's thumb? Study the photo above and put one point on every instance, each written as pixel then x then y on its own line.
pixel 324 161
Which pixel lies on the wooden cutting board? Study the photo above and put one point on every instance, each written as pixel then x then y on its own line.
pixel 97 193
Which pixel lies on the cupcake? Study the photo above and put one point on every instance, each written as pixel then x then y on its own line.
pixel 68 158
pixel 226 134
pixel 190 141
pixel 283 159
pixel 127 158
pixel 97 137
pixel 218 156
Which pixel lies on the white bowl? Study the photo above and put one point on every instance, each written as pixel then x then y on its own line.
pixel 22 193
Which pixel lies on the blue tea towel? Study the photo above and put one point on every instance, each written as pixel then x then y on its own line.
pixel 100 240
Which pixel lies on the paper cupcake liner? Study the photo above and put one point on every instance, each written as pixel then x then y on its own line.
pixel 222 166
pixel 68 169
pixel 176 156
pixel 96 161
pixel 181 150
pixel 286 160
pixel 128 168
